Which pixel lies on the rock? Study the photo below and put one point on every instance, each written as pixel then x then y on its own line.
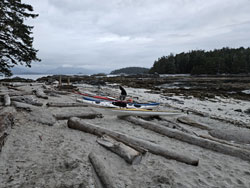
pixel 247 111
pixel 238 110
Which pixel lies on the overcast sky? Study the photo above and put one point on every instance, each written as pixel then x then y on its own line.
pixel 111 34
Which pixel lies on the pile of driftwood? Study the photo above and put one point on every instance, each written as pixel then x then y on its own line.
pixel 132 149
pixel 37 111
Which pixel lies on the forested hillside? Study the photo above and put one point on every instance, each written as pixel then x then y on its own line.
pixel 130 70
pixel 225 60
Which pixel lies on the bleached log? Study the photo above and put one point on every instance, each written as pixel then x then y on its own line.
pixel 208 144
pixel 78 124
pixel 6 100
pixel 6 122
pixel 27 100
pixel 127 153
pixel 225 142
pixel 193 123
pixel 171 124
pixel 237 135
pixel 54 104
pixel 48 91
pixel 136 147
pixel 102 171
pixel 23 106
pixel 82 115
pixel 40 94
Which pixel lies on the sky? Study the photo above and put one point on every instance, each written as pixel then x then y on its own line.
pixel 104 35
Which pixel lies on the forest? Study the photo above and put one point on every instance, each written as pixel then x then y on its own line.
pixel 130 70
pixel 218 61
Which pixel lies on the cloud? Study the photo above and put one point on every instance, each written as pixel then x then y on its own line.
pixel 112 34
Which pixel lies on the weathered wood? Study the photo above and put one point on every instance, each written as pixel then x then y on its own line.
pixel 127 153
pixel 136 147
pixel 6 100
pixel 224 141
pixel 237 135
pixel 171 124
pixel 37 114
pixel 208 144
pixel 27 100
pixel 102 171
pixel 6 122
pixel 82 115
pixel 21 93
pixel 40 94
pixel 43 116
pixel 22 106
pixel 49 91
pixel 78 124
pixel 54 104
pixel 193 123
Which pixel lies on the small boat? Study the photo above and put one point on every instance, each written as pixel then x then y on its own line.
pixel 96 96
pixel 117 103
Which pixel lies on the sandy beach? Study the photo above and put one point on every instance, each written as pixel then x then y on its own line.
pixel 41 151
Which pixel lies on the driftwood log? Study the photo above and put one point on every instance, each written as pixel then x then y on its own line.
pixel 102 171
pixel 243 146
pixel 54 104
pixel 56 92
pixel 82 115
pixel 40 94
pixel 127 153
pixel 6 100
pixel 6 122
pixel 171 124
pixel 22 106
pixel 204 143
pixel 27 100
pixel 21 93
pixel 36 114
pixel 237 135
pixel 192 123
pixel 78 124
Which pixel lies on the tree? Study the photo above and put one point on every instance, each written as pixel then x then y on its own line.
pixel 15 40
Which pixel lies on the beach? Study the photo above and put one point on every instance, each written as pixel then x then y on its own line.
pixel 42 151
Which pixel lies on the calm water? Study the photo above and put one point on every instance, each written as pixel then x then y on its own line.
pixel 28 76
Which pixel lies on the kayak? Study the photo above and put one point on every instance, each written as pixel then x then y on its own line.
pixel 115 104
pixel 96 96
pixel 137 112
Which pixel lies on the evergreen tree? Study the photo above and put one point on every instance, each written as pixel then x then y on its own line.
pixel 218 61
pixel 15 40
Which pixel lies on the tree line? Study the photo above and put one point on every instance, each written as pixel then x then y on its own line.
pixel 219 61
pixel 130 70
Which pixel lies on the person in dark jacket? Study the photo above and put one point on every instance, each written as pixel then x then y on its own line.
pixel 123 93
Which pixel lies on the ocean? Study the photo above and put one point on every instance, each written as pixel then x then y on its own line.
pixel 27 76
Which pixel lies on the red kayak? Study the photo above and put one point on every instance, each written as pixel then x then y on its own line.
pixel 97 97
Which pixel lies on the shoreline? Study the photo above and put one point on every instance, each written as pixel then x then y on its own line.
pixel 38 155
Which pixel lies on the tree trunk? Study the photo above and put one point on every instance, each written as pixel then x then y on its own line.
pixel 102 172
pixel 78 124
pixel 56 92
pixel 82 115
pixel 190 122
pixel 6 122
pixel 208 144
pixel 23 106
pixel 27 100
pixel 54 104
pixel 41 94
pixel 6 100
pixel 127 153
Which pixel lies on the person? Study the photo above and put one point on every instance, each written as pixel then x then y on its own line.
pixel 123 93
